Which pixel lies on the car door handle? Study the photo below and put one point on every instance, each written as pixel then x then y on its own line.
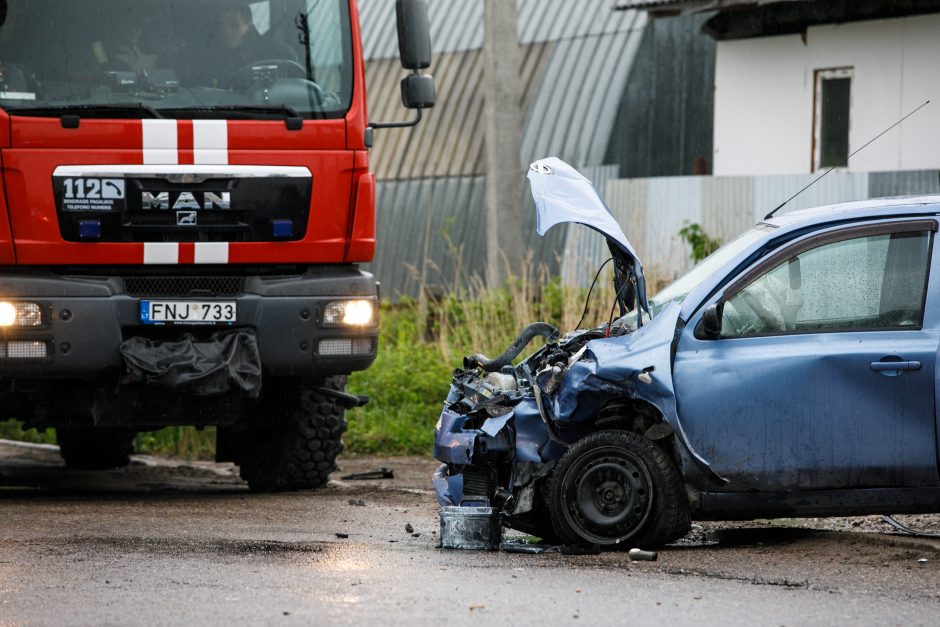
pixel 894 366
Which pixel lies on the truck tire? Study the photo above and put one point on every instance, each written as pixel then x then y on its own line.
pixel 616 489
pixel 95 449
pixel 299 436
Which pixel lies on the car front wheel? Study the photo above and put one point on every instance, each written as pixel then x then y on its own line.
pixel 617 489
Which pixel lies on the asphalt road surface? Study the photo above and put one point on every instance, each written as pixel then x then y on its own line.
pixel 186 543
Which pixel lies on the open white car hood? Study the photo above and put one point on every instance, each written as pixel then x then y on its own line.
pixel 562 194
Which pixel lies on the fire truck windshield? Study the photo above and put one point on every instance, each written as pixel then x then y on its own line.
pixel 235 59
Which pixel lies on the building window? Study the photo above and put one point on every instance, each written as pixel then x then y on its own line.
pixel 833 99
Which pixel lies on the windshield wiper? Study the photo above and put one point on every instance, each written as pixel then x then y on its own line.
pixel 90 110
pixel 271 109
pixel 288 112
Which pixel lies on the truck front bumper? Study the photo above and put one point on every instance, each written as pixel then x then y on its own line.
pixel 86 317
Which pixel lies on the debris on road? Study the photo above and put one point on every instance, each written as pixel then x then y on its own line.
pixel 357 502
pixel 523 546
pixel 889 520
pixel 409 528
pixel 639 555
pixel 381 473
pixel 342 535
pixel 470 528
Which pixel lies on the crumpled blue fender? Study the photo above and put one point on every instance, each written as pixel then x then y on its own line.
pixel 452 444
pixel 449 488
pixel 612 367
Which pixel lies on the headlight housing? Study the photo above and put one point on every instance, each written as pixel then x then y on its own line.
pixel 21 315
pixel 351 313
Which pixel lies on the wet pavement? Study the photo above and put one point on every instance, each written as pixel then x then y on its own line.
pixel 186 543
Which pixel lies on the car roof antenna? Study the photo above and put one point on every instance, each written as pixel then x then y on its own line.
pixel 816 180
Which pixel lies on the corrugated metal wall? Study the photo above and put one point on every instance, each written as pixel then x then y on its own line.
pixel 449 140
pixel 575 63
pixel 665 119
pixel 436 233
pixel 457 25
pixel 652 210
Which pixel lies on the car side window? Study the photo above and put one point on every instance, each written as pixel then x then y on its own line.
pixel 865 283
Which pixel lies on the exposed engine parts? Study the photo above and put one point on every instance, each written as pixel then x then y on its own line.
pixel 534 330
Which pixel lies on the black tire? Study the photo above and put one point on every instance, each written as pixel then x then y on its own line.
pixel 299 436
pixel 95 449
pixel 616 489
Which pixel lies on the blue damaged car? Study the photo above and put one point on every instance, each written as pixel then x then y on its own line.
pixel 791 373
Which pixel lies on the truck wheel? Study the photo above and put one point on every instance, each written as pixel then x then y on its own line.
pixel 617 489
pixel 300 435
pixel 95 449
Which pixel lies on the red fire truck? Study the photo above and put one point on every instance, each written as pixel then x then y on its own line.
pixel 186 195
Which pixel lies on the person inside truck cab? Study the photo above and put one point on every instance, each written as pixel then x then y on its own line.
pixel 129 52
pixel 15 80
pixel 236 46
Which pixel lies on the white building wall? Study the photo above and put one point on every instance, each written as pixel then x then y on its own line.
pixel 764 96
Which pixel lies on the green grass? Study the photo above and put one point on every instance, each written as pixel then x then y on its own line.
pixel 406 385
pixel 182 442
pixel 13 430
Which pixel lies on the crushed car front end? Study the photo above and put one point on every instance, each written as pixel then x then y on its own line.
pixel 541 441
pixel 580 442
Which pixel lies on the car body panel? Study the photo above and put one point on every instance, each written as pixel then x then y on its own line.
pixel 562 194
pixel 810 388
pixel 808 412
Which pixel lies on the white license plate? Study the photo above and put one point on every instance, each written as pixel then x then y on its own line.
pixel 187 312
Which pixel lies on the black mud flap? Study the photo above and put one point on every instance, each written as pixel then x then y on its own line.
pixel 197 366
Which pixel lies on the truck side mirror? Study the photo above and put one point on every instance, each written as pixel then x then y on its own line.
pixel 417 91
pixel 711 322
pixel 414 34
pixel 414 49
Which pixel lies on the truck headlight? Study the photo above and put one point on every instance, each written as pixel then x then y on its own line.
pixel 348 313
pixel 13 314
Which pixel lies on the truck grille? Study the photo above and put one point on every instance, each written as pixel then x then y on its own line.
pixel 183 286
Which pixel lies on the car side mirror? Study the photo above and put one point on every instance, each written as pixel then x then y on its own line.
pixel 711 321
pixel 414 34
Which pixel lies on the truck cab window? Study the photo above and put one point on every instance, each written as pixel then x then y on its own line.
pixel 183 58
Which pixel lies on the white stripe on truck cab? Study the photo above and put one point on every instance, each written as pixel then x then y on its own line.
pixel 211 252
pixel 160 142
pixel 210 142
pixel 161 252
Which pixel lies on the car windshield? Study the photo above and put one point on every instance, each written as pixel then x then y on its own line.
pixel 680 288
pixel 176 58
